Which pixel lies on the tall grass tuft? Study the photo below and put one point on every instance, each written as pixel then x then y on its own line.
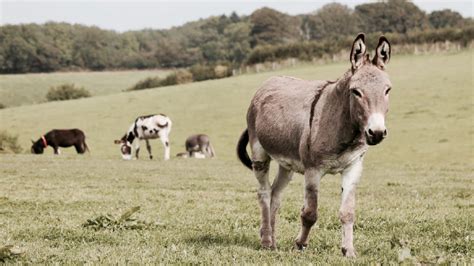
pixel 66 92
pixel 9 143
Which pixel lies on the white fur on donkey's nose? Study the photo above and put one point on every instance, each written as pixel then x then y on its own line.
pixel 127 157
pixel 376 122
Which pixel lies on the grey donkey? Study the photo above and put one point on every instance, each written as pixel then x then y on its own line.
pixel 198 146
pixel 315 128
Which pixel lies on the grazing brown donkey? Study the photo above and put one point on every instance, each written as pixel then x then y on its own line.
pixel 315 128
pixel 61 138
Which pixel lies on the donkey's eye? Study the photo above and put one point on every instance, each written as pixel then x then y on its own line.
pixel 356 92
pixel 387 91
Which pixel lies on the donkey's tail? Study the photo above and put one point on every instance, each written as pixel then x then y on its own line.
pixel 242 149
pixel 86 147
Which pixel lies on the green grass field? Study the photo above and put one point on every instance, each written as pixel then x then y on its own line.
pixel 415 196
pixel 27 89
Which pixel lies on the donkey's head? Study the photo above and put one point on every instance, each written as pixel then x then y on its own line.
pixel 369 88
pixel 125 148
pixel 37 147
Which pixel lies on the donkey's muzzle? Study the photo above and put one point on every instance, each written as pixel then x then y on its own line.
pixel 374 137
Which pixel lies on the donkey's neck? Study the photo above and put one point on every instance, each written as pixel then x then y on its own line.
pixel 344 133
pixel 129 136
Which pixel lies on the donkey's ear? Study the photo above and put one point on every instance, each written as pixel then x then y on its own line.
pixel 117 141
pixel 382 53
pixel 358 51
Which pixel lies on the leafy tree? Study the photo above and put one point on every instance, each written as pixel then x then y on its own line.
pixel 234 17
pixel 331 21
pixel 272 27
pixel 19 55
pixel 238 41
pixel 445 18
pixel 392 16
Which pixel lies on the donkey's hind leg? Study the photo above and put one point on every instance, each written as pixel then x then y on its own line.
pixel 281 181
pixel 166 143
pixel 261 166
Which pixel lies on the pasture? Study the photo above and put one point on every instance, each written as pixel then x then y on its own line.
pixel 18 89
pixel 414 201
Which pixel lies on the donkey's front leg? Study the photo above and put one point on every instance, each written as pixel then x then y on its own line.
pixel 350 178
pixel 309 212
pixel 281 181
pixel 148 148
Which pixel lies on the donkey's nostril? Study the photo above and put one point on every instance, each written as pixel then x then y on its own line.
pixel 371 133
pixel 385 133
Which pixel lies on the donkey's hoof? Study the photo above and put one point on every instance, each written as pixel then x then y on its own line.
pixel 349 253
pixel 151 157
pixel 266 244
pixel 265 239
pixel 300 246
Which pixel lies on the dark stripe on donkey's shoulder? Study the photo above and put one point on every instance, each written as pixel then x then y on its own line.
pixel 315 101
pixel 313 106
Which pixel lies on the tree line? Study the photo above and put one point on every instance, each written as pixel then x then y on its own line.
pixel 231 40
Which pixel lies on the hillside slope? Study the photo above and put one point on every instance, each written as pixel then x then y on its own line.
pixel 24 89
pixel 430 114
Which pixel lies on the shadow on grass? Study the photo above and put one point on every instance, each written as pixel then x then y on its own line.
pixel 209 239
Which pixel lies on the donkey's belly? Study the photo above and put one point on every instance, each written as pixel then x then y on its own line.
pixel 290 164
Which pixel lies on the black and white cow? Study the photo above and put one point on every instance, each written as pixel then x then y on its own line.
pixel 146 128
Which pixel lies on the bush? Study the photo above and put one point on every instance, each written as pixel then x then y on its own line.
pixel 222 71
pixel 183 76
pixel 66 92
pixel 179 77
pixel 150 82
pixel 9 143
pixel 202 72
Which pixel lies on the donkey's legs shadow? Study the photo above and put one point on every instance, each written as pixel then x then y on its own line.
pixel 217 239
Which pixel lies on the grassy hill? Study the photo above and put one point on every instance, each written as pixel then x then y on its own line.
pixel 415 194
pixel 24 89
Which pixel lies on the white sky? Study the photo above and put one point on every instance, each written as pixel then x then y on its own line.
pixel 134 15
